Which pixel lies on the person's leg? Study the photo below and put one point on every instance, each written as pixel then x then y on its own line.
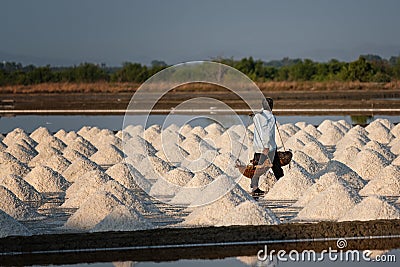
pixel 254 180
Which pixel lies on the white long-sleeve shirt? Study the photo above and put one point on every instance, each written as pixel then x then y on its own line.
pixel 264 132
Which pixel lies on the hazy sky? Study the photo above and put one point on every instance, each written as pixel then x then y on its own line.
pixel 68 32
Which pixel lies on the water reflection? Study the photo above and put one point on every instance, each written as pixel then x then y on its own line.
pixel 115 122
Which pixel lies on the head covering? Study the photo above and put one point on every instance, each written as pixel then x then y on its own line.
pixel 267 103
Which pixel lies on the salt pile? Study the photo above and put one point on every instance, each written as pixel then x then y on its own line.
pixel 21 153
pixel 320 185
pixel 221 195
pixel 311 130
pixel 83 146
pixel 372 208
pixel 386 183
pixel 39 134
pixel 396 161
pixel 292 185
pixel 121 218
pixel 3 147
pixel 344 172
pixel 329 205
pixel 58 163
pixel 249 213
pixel 16 136
pixel 14 207
pixel 71 155
pixel 171 182
pixel 290 128
pixel 10 165
pixel 381 149
pixel 134 130
pixel 85 186
pixel 294 144
pixel 368 163
pixel 396 130
pixel 51 142
pixel 108 155
pixel 44 155
pixel 331 136
pixel 308 163
pixel 190 192
pixel 138 145
pixel 317 152
pixel 152 132
pixel 44 179
pixel 304 137
pixel 351 140
pixel 22 189
pixel 379 132
pixel 10 227
pixel 219 188
pixel 96 209
pixel 78 168
pixel 172 153
pixel 128 176
pixel 159 166
pixel 347 155
pixel 394 146
pixel 214 129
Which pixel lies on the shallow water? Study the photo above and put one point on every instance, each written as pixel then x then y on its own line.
pixel 115 122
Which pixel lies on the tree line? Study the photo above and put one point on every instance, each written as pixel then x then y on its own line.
pixel 367 68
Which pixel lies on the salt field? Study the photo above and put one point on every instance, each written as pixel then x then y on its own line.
pixel 95 179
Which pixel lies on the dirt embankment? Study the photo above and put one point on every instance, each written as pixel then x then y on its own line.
pixel 204 242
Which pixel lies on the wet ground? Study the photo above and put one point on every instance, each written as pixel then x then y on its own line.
pixel 287 100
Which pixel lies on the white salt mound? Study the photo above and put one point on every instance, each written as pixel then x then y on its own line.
pixel 344 172
pixel 209 213
pixel 92 211
pixel 368 163
pixel 372 208
pixel 21 153
pixel 152 132
pixel 43 157
pixel 305 161
pixel 311 130
pixel 10 227
pixel 3 147
pixel 14 207
pixel 44 179
pixel 290 128
pixel 332 136
pixel 292 185
pixel 249 213
pixel 386 183
pixel 22 189
pixel 347 155
pixel 138 145
pixel 82 188
pixel 18 135
pixel 128 176
pixel 190 192
pixel 122 218
pixel 395 146
pixel 320 185
pixel 294 144
pixel 72 155
pixel 78 168
pixel 58 163
pixel 51 142
pixel 83 146
pixel 330 205
pixel 108 155
pixel 126 197
pixel 396 130
pixel 14 167
pixel 378 132
pixel 381 149
pixel 40 133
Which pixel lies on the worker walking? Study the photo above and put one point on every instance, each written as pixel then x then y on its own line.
pixel 264 143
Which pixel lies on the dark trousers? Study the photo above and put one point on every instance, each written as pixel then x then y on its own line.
pixel 259 159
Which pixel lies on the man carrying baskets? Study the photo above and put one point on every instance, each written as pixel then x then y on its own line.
pixel 265 149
